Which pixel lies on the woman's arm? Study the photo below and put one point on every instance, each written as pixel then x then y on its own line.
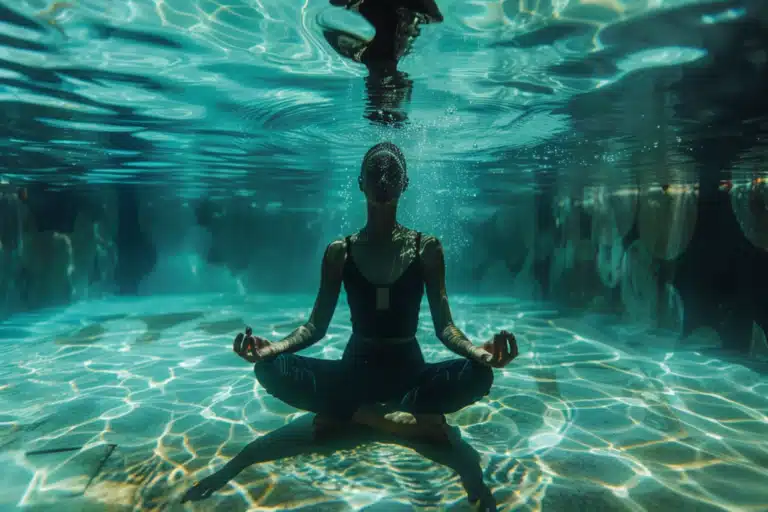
pixel 325 304
pixel 434 277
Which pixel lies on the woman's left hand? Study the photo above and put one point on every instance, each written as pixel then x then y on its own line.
pixel 250 347
pixel 502 349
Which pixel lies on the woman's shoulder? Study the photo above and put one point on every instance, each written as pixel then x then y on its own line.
pixel 426 239
pixel 428 245
pixel 336 251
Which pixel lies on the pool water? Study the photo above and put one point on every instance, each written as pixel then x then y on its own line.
pixel 122 404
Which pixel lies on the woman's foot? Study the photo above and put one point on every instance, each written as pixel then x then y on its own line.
pixel 431 428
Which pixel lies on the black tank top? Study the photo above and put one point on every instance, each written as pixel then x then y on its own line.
pixel 401 319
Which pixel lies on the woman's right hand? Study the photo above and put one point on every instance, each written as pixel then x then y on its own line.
pixel 250 347
pixel 498 352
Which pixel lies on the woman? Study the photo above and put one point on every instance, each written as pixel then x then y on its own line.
pixel 384 269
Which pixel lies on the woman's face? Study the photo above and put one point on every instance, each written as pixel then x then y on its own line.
pixel 383 180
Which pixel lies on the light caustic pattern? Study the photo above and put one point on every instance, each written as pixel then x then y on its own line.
pixel 580 421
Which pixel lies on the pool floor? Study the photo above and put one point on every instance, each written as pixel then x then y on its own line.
pixel 123 404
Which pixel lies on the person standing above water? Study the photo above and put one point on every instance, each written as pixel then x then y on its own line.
pixel 382 379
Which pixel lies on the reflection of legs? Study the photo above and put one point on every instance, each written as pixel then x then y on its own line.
pixel 448 386
pixel 315 385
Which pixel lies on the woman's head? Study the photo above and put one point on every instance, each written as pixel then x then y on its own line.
pixel 383 176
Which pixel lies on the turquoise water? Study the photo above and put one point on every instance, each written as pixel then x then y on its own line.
pixel 591 416
pixel 209 95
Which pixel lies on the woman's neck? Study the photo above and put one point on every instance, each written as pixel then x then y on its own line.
pixel 382 221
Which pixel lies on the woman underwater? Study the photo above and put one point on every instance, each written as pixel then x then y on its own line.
pixel 384 268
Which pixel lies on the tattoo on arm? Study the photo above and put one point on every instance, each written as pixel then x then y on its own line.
pixel 434 276
pixel 330 285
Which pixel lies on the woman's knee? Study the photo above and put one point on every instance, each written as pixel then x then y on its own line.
pixel 482 379
pixel 270 372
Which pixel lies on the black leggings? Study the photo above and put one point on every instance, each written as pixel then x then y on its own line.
pixel 371 373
